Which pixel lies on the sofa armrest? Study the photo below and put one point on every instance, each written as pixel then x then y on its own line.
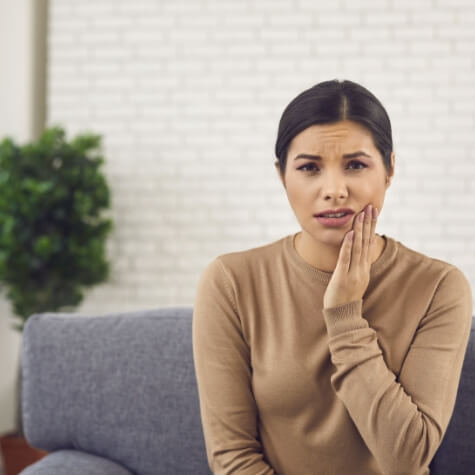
pixel 74 462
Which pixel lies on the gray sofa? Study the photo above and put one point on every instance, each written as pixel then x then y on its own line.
pixel 116 395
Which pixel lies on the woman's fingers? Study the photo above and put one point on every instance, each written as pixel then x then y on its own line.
pixel 374 218
pixel 344 258
pixel 364 237
pixel 366 232
pixel 357 242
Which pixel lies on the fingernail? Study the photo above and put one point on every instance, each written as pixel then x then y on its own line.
pixel 375 213
pixel 361 217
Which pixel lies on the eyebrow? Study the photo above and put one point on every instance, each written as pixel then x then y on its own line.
pixel 347 156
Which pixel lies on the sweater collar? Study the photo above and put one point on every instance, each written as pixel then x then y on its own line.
pixel 377 267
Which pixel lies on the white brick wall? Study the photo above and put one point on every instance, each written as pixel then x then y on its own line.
pixel 188 95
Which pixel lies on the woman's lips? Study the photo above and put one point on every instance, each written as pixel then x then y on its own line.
pixel 334 222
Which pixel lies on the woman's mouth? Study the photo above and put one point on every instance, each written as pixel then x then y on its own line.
pixel 334 222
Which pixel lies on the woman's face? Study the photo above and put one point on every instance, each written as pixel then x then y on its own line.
pixel 332 182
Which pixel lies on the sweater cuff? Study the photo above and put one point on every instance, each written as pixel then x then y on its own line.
pixel 344 318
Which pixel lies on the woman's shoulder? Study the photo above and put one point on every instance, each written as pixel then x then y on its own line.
pixel 257 257
pixel 411 261
pixel 261 251
pixel 426 282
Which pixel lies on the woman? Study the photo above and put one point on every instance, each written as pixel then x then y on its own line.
pixel 335 350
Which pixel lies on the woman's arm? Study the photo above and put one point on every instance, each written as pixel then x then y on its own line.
pixel 403 420
pixel 223 372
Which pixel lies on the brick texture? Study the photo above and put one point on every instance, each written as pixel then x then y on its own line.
pixel 188 95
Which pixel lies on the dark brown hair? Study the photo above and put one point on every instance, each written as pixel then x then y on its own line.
pixel 333 101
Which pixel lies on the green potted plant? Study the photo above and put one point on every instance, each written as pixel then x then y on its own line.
pixel 52 236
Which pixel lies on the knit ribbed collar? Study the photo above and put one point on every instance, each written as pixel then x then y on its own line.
pixel 382 262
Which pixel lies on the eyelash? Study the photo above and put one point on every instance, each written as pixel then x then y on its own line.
pixel 353 161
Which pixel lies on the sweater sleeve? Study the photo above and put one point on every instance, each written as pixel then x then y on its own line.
pixel 403 419
pixel 223 371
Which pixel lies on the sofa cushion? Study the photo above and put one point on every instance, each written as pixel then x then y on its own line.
pixel 120 385
pixel 73 462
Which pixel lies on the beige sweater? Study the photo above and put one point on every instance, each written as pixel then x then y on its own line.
pixel 364 388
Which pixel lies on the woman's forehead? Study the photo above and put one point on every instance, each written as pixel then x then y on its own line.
pixel 342 136
pixel 342 128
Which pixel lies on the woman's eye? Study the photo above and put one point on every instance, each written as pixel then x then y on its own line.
pixel 306 168
pixel 358 163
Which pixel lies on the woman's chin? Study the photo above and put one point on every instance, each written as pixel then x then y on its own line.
pixel 332 238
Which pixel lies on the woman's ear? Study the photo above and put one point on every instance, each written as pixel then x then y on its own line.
pixel 277 166
pixel 391 174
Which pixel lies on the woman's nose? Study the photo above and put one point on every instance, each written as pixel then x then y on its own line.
pixel 334 185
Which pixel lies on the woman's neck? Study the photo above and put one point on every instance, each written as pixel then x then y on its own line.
pixel 326 260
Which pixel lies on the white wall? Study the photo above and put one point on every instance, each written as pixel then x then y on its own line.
pixel 189 94
pixel 16 119
pixel 16 77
